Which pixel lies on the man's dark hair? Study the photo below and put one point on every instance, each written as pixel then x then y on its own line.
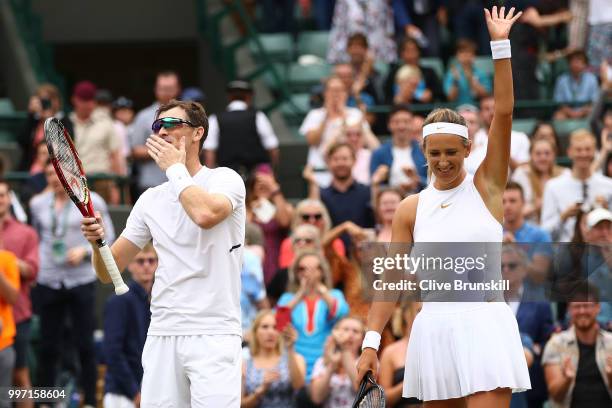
pixel 195 114
pixel 513 185
pixel 401 107
pixel 337 146
pixel 5 182
pixel 578 54
pixel 358 38
pixel 584 292
pixel 404 43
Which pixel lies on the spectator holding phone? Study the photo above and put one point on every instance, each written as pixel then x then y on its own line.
pixel 315 308
pixel 275 370
pixel 45 103
pixel 334 375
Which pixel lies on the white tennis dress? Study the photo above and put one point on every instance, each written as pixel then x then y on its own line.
pixel 460 348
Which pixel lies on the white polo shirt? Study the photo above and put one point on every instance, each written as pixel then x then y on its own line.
pixel 197 281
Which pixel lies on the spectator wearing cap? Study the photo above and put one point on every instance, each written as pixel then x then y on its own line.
pixel 96 141
pixel 194 94
pixel 565 196
pixel 167 87
pixel 241 137
pixel 577 89
pixel 104 100
pixel 123 115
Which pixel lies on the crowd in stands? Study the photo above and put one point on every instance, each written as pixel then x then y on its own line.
pixel 303 255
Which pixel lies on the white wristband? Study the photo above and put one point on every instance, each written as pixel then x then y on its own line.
pixel 371 340
pixel 500 49
pixel 179 178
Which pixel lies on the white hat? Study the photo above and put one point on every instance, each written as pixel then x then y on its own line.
pixel 598 215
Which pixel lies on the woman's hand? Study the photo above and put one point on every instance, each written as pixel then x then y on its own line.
pixel 265 185
pixel 289 337
pixel 499 23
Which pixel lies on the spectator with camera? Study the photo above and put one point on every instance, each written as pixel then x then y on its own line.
pixel 566 195
pixel 577 89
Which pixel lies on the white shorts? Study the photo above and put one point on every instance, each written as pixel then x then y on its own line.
pixel 191 371
pixel 117 401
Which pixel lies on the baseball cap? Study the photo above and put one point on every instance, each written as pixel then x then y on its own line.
pixel 598 215
pixel 239 85
pixel 85 90
pixel 193 94
pixel 123 102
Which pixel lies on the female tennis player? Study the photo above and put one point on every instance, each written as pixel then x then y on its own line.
pixel 460 354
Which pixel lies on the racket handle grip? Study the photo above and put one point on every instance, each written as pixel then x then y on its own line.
pixel 113 271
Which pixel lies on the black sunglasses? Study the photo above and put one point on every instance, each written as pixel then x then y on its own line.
pixel 307 217
pixel 169 123
pixel 301 240
pixel 510 265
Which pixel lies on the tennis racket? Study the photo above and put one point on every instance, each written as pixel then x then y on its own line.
pixel 370 394
pixel 70 172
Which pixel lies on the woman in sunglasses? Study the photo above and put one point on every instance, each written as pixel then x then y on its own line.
pixel 312 212
pixel 315 306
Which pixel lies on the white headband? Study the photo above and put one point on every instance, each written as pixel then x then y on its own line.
pixel 445 127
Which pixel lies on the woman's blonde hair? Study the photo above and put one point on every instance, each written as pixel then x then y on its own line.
pixel 294 283
pixel 534 175
pixel 310 230
pixel 311 202
pixel 254 345
pixel 407 72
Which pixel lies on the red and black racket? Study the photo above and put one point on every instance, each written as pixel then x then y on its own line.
pixel 370 394
pixel 70 173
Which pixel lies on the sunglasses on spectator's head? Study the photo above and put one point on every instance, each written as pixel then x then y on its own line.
pixel 169 123
pixel 308 217
pixel 142 261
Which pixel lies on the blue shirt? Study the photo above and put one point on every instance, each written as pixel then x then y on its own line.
pixel 252 290
pixel 538 237
pixel 366 98
pixel 465 92
pixel 126 321
pixel 354 205
pixel 583 91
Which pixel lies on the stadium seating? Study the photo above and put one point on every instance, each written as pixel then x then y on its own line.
pixel 279 47
pixel 524 125
pixel 565 127
pixel 313 43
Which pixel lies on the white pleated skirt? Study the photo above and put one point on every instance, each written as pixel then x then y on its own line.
pixel 458 349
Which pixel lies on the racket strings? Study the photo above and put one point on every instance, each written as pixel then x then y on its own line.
pixel 62 152
pixel 374 398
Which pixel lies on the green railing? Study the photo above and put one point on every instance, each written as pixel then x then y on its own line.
pixel 224 54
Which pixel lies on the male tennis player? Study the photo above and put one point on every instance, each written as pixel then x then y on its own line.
pixel 196 220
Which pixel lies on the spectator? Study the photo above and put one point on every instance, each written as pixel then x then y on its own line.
pixel 309 291
pixel 565 195
pixel 393 358
pixel 253 296
pixel 363 147
pixel 534 317
pixel 577 27
pixel 104 107
pixel 400 162
pixel 194 94
pixel 323 12
pixel 36 182
pixel 468 21
pixel 274 371
pixel 386 202
pixel 126 321
pixel 576 90
pixel 15 205
pixel 372 18
pixel 20 240
pixel 409 54
pixel 334 375
pixel 463 82
pixel 358 98
pixel 167 87
pixel 421 21
pixel 605 141
pixel 478 148
pixel 545 130
pixel 577 362
pixel 321 125
pixel 517 230
pixel 123 115
pixel 9 290
pixel 304 236
pixel 410 86
pixel 95 139
pixel 242 137
pixel 45 103
pixel 533 176
pixel 312 212
pixel 345 198
pixel 519 142
pixel 600 32
pixel 66 281
pixel 267 207
pixel 362 59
